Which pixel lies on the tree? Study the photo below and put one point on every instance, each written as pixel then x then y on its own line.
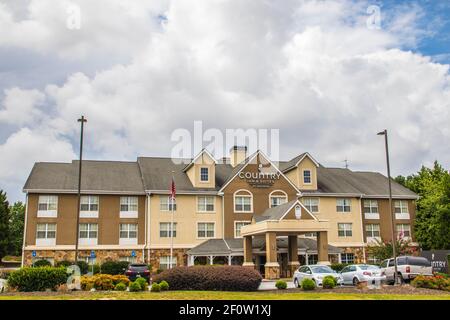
pixel 4 225
pixel 17 218
pixel 432 227
pixel 384 250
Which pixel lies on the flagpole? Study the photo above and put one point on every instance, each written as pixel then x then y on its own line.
pixel 172 197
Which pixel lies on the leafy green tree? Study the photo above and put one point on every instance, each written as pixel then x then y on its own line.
pixel 384 250
pixel 4 225
pixel 17 218
pixel 432 227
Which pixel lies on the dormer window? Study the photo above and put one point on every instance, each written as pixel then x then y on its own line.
pixel 307 176
pixel 204 174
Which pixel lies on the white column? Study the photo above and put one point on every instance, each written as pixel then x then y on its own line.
pixel 211 260
pixel 229 260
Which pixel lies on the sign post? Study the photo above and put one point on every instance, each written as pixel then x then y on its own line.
pixel 92 260
pixel 33 254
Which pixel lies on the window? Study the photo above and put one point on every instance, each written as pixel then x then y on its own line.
pixel 128 233
pixel 237 227
pixel 205 229
pixel 164 229
pixel 401 209
pixel 205 204
pixel 371 206
pixel 47 207
pixel 165 204
pixel 277 200
pixel 347 258
pixel 46 231
pixel 343 205
pixel 372 230
pixel 312 204
pixel 88 230
pixel 312 259
pixel 310 235
pixel 89 207
pixel 128 207
pixel 307 176
pixel 243 202
pixel 204 174
pixel 164 262
pixel 403 231
pixel 372 259
pixel 344 229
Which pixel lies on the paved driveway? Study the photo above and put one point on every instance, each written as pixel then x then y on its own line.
pixel 270 285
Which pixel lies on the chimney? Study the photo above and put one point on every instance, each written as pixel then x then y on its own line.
pixel 237 155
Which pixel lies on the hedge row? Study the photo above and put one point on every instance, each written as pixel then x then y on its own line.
pixel 438 282
pixel 222 278
pixel 37 279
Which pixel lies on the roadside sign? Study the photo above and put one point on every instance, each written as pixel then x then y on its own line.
pixel 92 254
pixel 33 254
pixel 133 253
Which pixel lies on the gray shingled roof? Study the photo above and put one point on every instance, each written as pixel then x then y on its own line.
pixel 230 246
pixel 275 213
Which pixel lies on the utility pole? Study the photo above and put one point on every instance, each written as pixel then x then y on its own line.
pixel 394 238
pixel 82 120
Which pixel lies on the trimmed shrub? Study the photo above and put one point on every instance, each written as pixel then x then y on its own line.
pixel 308 284
pixel 103 281
pixel 156 287
pixel 164 285
pixel 135 287
pixel 42 263
pixel 280 284
pixel 329 282
pixel 338 266
pixel 223 278
pixel 143 283
pixel 37 279
pixel 120 287
pixel 114 267
pixel 437 282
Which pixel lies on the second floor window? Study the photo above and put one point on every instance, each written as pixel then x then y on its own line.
pixel 307 176
pixel 243 201
pixel 343 205
pixel 205 230
pixel 344 229
pixel 237 227
pixel 373 230
pixel 128 231
pixel 401 206
pixel 46 231
pixel 277 200
pixel 312 204
pixel 205 204
pixel 89 203
pixel 48 203
pixel 403 230
pixel 164 229
pixel 128 204
pixel 370 206
pixel 204 174
pixel 88 230
pixel 165 204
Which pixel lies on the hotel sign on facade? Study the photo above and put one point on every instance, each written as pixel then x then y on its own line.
pixel 263 178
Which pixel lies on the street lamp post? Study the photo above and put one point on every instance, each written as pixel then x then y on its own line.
pixel 394 249
pixel 82 120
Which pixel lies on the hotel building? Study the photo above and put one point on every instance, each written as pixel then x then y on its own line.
pixel 240 210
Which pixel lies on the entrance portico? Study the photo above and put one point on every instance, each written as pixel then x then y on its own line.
pixel 289 220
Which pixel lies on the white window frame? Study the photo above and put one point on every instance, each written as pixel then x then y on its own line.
pixel 309 205
pixel 310 176
pixel 167 229
pixel 204 199
pixel 402 205
pixel 343 206
pixel 200 172
pixel 165 204
pixel 46 241
pixel 89 240
pixel 397 231
pixel 45 199
pixel 247 195
pixel 346 260
pixel 370 230
pixel 284 196
pixel 346 230
pixel 371 205
pixel 164 262
pixel 91 201
pixel 129 202
pixel 126 228
pixel 205 230
pixel 245 222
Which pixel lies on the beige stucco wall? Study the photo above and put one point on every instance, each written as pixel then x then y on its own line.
pixel 204 160
pixel 296 175
pixel 327 211
pixel 186 217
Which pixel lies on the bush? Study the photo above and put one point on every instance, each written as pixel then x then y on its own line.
pixel 308 284
pixel 437 282
pixel 42 263
pixel 164 285
pixel 37 279
pixel 120 287
pixel 143 283
pixel 156 287
pixel 223 278
pixel 114 267
pixel 280 284
pixel 103 281
pixel 329 282
pixel 338 266
pixel 134 287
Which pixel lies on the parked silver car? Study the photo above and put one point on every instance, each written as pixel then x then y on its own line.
pixel 356 273
pixel 316 272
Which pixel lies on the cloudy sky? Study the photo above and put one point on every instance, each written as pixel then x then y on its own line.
pixel 320 71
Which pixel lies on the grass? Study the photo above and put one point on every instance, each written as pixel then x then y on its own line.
pixel 218 295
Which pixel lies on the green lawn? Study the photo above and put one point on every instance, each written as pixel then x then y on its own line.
pixel 220 295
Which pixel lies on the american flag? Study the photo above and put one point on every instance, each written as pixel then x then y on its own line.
pixel 172 190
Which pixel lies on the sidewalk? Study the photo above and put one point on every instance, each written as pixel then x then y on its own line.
pixel 270 285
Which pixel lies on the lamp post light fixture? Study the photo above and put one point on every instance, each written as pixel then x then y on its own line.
pixel 82 120
pixel 394 243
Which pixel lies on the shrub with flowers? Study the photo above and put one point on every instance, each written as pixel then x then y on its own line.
pixel 438 282
pixel 103 281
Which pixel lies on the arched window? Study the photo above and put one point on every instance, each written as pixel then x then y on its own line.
pixel 243 201
pixel 277 197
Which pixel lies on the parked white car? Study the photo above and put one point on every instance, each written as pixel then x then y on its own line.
pixel 356 273
pixel 408 267
pixel 315 272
